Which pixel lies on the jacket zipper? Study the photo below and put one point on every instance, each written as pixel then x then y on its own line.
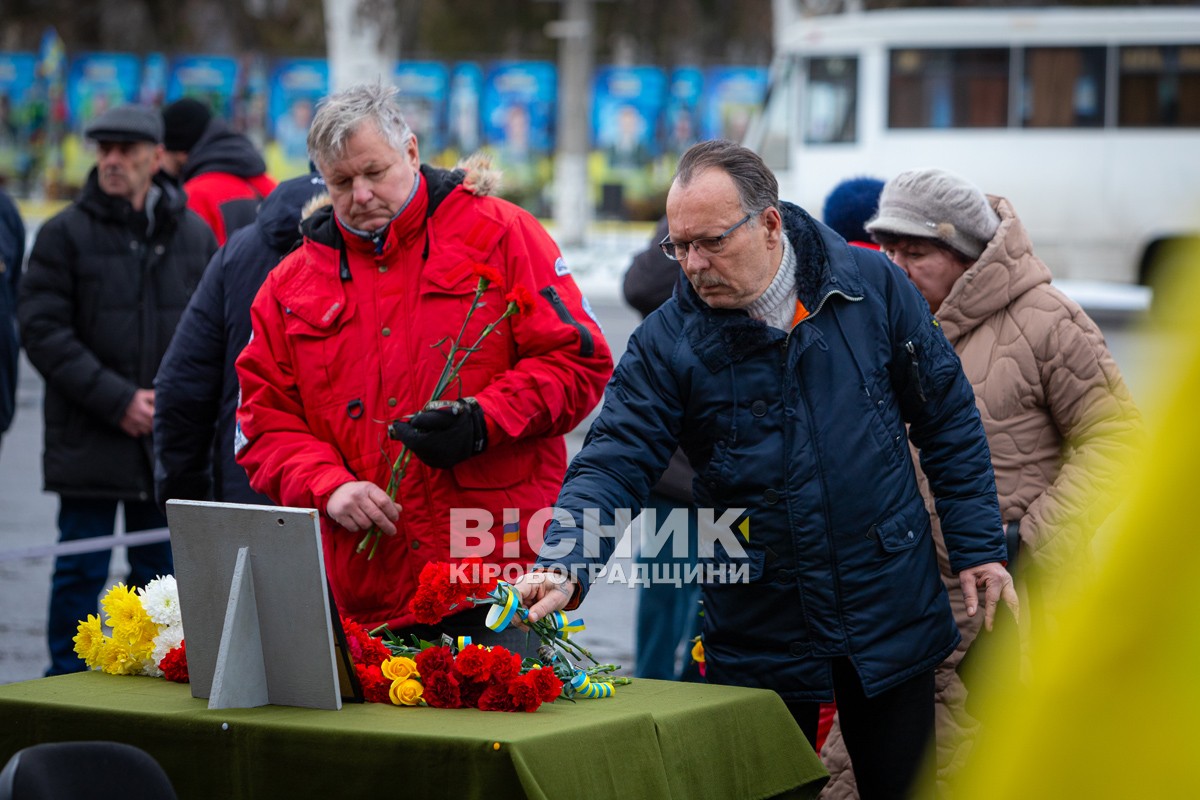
pixel 914 369
pixel 587 347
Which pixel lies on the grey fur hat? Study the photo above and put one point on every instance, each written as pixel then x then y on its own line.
pixel 935 204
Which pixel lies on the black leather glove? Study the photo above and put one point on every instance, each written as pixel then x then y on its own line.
pixel 444 433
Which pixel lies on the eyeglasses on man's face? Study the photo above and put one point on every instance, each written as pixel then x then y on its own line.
pixel 708 246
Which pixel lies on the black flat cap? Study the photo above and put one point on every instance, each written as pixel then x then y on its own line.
pixel 127 123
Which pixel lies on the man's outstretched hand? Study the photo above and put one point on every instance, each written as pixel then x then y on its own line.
pixel 544 592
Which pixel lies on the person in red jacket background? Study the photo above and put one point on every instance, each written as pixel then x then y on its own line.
pixel 349 337
pixel 223 174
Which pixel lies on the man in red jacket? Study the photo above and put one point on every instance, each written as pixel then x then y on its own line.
pixel 349 339
pixel 224 176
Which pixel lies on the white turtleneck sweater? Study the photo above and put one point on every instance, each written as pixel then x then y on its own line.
pixel 777 305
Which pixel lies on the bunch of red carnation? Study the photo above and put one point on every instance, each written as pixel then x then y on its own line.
pixel 489 679
pixel 174 664
pixel 367 653
pixel 443 588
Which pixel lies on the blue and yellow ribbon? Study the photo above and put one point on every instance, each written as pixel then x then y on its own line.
pixel 501 614
pixel 585 687
pixel 564 626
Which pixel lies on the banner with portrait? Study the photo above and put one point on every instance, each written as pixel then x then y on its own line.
pixel 296 86
pixel 681 115
pixel 626 105
pixel 96 82
pixel 17 73
pixel 519 105
pixel 421 92
pixel 209 79
pixel 735 94
pixel 463 125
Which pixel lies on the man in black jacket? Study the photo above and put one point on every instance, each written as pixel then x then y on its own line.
pixel 197 388
pixel 107 281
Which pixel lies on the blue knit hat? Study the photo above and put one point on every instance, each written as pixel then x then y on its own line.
pixel 851 203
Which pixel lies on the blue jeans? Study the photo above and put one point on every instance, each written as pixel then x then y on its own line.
pixel 79 579
pixel 667 615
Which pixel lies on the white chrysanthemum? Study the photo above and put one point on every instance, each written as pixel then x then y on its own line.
pixel 167 640
pixel 160 598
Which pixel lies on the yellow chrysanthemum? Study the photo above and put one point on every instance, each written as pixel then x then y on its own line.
pixel 122 607
pixel 117 657
pixel 399 668
pixel 137 634
pixel 89 640
pixel 406 692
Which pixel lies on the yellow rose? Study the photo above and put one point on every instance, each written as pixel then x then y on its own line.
pixel 399 668
pixel 406 692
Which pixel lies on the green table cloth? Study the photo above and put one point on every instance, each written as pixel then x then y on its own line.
pixel 653 739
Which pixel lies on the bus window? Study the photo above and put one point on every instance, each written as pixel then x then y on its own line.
pixel 1063 87
pixel 771 135
pixel 946 88
pixel 1159 87
pixel 831 101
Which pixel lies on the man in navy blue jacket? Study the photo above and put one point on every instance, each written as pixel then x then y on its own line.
pixel 196 386
pixel 787 370
pixel 12 253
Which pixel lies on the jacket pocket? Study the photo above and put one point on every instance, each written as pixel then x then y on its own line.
pixel 330 373
pixel 901 531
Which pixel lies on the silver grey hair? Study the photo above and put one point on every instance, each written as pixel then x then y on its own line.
pixel 756 185
pixel 340 115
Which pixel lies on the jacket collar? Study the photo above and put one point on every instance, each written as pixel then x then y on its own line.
pixel 824 266
pixel 117 210
pixel 322 227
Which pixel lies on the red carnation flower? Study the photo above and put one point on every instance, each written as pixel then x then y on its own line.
pixel 548 685
pixel 505 665
pixel 441 690
pixel 525 693
pixel 426 607
pixel 364 648
pixel 174 664
pixel 496 698
pixel 375 686
pixel 480 584
pixel 434 660
pixel 474 662
pixel 487 273
pixel 471 691
pixel 523 299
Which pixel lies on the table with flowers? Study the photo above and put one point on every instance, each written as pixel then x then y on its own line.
pixel 653 739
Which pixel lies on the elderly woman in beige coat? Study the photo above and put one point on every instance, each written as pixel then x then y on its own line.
pixel 1056 410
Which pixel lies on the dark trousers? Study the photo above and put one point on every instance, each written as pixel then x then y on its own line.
pixel 886 735
pixel 79 579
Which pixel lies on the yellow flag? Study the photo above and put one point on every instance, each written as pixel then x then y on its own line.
pixel 1112 709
